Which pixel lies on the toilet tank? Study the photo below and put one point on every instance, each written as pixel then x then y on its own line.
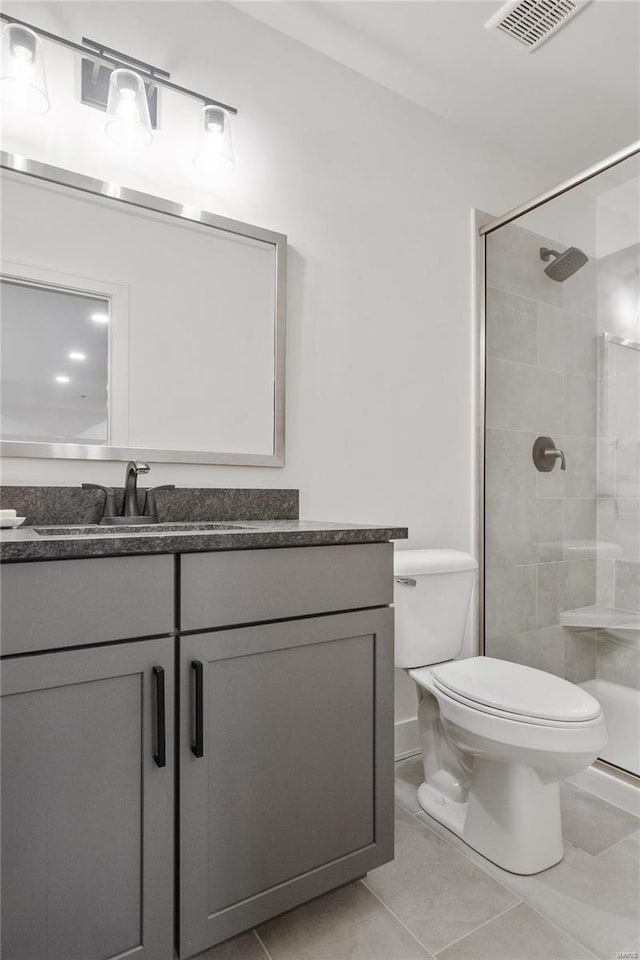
pixel 431 616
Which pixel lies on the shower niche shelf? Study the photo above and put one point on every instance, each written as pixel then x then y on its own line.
pixel 605 618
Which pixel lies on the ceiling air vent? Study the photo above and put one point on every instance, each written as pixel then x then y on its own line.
pixel 531 22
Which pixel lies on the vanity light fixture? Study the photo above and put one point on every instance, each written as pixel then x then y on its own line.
pixel 214 150
pixel 100 317
pixel 128 121
pixel 23 83
pixel 127 88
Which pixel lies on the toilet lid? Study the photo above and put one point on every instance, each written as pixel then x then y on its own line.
pixel 516 689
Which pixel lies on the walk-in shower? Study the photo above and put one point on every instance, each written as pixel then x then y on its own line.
pixel 561 374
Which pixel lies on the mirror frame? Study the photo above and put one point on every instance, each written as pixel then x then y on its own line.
pixel 133 198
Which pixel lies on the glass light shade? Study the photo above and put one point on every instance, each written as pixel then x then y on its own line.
pixel 214 149
pixel 128 121
pixel 23 83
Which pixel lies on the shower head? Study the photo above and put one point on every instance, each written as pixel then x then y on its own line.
pixel 564 265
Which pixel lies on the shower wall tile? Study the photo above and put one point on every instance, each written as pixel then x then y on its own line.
pixel 624 361
pixel 509 469
pixel 522 531
pixel 619 523
pixel 627 585
pixel 514 265
pixel 566 342
pixel 580 475
pixel 618 290
pixel 579 519
pixel 580 406
pixel 580 292
pixel 617 661
pixel 623 405
pixel 551 336
pixel 510 598
pixel 605 583
pixel 566 653
pixel 627 467
pixel 542 649
pixel 579 655
pixel 511 327
pixel 524 397
pixel 605 465
pixel 564 586
pixel 552 485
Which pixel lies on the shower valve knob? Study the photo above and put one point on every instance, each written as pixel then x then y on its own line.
pixel 545 453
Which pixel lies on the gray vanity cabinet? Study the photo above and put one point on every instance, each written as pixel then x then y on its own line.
pixel 285 766
pixel 87 811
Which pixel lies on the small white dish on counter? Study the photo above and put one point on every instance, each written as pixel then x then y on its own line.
pixel 10 523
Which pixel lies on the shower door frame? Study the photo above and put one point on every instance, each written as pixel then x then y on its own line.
pixel 483 225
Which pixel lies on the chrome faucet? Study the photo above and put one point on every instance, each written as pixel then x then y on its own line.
pixel 134 467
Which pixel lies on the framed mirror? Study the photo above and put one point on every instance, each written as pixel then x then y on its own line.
pixel 134 327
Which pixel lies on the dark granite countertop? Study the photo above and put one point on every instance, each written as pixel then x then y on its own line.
pixel 26 544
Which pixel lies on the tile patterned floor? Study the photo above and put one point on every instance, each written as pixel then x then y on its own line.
pixel 439 899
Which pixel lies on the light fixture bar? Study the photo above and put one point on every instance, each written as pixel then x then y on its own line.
pixel 124 59
pixel 114 59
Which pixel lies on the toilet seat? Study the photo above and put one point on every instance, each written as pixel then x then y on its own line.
pixel 514 691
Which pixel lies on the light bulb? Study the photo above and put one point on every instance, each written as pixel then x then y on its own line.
pixel 214 150
pixel 77 355
pixel 23 83
pixel 128 121
pixel 100 317
pixel 62 379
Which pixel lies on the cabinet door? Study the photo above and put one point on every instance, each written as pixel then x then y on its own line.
pixel 286 767
pixel 87 806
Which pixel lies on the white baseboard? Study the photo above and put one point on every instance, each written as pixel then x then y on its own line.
pixel 407 740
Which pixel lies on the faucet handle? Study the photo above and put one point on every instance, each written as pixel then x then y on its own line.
pixel 545 453
pixel 150 501
pixel 109 508
pixel 138 466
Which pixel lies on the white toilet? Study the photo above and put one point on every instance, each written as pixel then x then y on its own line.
pixel 496 737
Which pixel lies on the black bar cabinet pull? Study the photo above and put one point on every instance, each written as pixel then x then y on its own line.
pixel 160 756
pixel 197 747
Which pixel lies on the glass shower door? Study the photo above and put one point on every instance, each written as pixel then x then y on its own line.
pixel 562 527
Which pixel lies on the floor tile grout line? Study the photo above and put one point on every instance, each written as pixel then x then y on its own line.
pixel 579 943
pixel 430 955
pixel 259 939
pixel 523 899
pixel 631 943
pixel 479 927
pixel 575 786
pixel 411 813
pixel 618 842
pixel 466 855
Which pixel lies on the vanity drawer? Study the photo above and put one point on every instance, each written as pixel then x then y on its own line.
pixel 65 603
pixel 250 586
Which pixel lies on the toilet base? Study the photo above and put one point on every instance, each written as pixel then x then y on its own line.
pixel 510 816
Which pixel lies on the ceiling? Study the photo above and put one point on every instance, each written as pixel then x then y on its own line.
pixel 569 104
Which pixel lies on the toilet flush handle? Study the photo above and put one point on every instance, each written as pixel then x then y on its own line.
pixel 407 581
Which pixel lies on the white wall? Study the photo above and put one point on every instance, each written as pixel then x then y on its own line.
pixel 375 195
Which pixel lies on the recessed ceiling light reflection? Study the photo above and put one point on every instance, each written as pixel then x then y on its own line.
pixel 62 379
pixel 77 355
pixel 100 317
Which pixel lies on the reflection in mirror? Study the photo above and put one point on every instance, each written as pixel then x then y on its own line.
pixel 55 362
pixel 189 367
